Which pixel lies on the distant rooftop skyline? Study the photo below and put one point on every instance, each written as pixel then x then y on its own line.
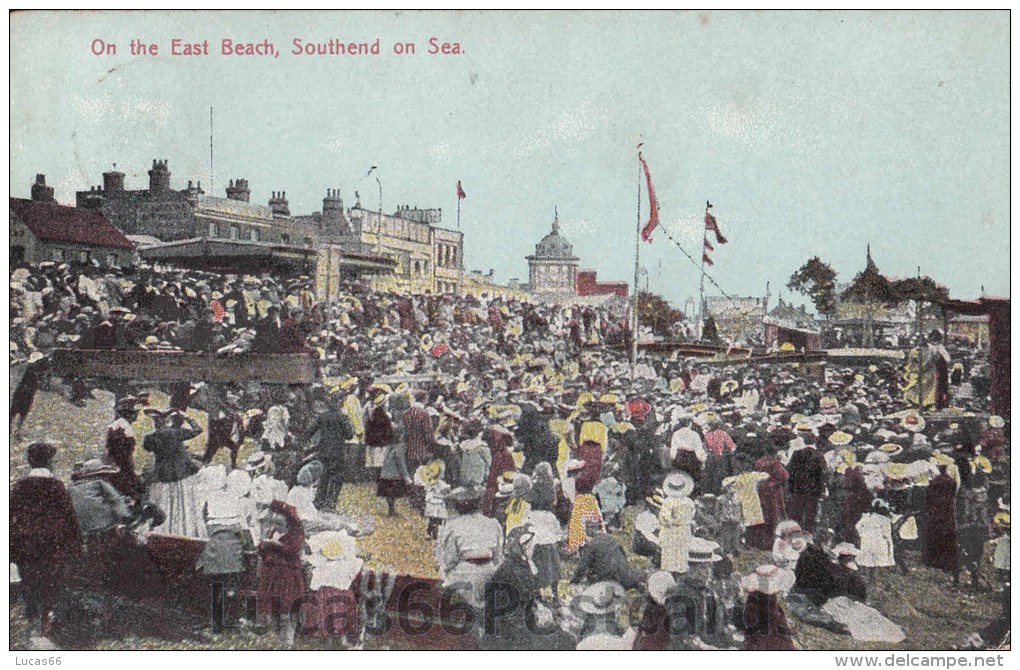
pixel 812 133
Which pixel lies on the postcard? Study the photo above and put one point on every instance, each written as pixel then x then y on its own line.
pixel 554 330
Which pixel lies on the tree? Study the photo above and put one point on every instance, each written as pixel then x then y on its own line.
pixel 870 286
pixel 924 289
pixel 817 280
pixel 657 314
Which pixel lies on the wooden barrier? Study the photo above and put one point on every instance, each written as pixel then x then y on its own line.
pixel 176 366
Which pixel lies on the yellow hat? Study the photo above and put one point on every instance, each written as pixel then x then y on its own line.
pixel 621 427
pixel 559 427
pixel 840 439
pixel 787 346
pixel 847 459
pixel 980 463
pixel 584 398
pixel 431 472
pixel 1001 519
pixel 609 398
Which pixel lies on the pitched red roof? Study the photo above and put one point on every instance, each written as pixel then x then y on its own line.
pixel 51 222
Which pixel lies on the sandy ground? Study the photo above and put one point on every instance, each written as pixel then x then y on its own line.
pixel 932 612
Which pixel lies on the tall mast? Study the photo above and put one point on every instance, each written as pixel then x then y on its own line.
pixel 701 289
pixel 637 255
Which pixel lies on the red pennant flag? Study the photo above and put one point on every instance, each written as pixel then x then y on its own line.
pixel 713 225
pixel 460 191
pixel 706 259
pixel 653 215
pixel 708 245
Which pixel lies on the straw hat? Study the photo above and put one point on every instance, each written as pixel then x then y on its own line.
pixel 768 579
pixel 601 598
pixel 256 461
pixel 890 449
pixel 700 550
pixel 331 546
pixel 92 468
pixel 678 485
pixel 913 422
pixel 840 439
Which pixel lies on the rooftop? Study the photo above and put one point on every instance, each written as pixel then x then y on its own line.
pixel 51 222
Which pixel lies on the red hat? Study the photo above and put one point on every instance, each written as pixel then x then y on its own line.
pixel 638 408
pixel 288 511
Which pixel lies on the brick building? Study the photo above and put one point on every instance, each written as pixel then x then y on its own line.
pixel 405 251
pixel 42 230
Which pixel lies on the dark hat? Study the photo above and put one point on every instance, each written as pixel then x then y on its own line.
pixel 40 454
pixel 93 468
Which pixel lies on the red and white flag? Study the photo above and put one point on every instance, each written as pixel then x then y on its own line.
pixel 713 225
pixel 653 215
pixel 708 245
pixel 706 259
pixel 460 191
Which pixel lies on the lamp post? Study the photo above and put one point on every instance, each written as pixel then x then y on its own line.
pixel 378 226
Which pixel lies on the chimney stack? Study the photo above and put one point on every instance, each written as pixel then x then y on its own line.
pixel 40 191
pixel 238 190
pixel 113 180
pixel 159 176
pixel 278 203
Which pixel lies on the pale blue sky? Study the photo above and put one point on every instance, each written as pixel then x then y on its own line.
pixel 812 133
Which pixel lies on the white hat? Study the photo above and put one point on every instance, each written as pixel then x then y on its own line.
pixel 678 485
pixel 768 579
pixel 700 550
pixel 601 598
pixel 659 583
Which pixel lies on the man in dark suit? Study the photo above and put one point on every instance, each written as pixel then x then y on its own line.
pixel 45 539
pixel 602 559
pixel 807 485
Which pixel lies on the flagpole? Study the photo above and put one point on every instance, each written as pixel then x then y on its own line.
pixel 637 256
pixel 701 290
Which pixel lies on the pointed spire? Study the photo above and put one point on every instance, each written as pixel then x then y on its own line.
pixel 556 219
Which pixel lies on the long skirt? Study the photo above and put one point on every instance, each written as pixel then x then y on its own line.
pixel 391 488
pixel 180 502
pixel 333 613
pixel 585 507
pixel 547 562
pixel 280 589
pixel 224 552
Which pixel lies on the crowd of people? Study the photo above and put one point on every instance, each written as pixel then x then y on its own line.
pixel 528 444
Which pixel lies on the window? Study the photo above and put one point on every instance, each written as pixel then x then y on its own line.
pixel 83 257
pixel 253 234
pixel 235 233
pixel 453 256
pixel 285 238
pixel 214 230
pixel 308 241
pixel 417 267
pixel 58 255
pixel 111 260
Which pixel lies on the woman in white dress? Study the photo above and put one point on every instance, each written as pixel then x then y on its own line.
pixel 173 485
pixel 875 530
pixel 675 519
